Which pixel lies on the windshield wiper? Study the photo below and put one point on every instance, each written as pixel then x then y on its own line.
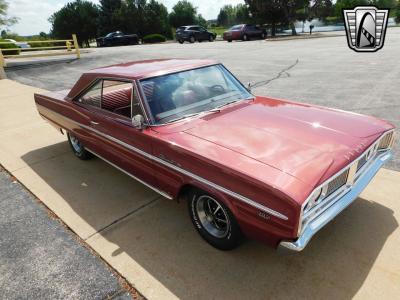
pixel 217 108
pixel 183 117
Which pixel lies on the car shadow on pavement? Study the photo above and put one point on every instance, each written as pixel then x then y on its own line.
pixel 161 239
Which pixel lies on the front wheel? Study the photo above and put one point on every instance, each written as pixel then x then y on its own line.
pixel 211 38
pixel 214 221
pixel 180 41
pixel 78 149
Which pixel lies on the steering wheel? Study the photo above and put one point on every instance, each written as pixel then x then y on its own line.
pixel 217 88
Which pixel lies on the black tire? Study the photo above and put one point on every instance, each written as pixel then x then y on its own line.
pixel 245 37
pixel 181 41
pixel 229 41
pixel 78 149
pixel 263 36
pixel 228 236
pixel 192 39
pixel 211 38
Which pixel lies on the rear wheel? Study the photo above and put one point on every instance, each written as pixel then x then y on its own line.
pixel 229 41
pixel 78 149
pixel 214 221
pixel 263 35
pixel 211 38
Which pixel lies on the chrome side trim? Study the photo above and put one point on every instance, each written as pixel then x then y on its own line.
pixel 345 199
pixel 164 194
pixel 178 169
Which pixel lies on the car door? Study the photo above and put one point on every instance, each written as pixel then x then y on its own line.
pixel 203 33
pixel 114 138
pixel 250 31
pixel 196 32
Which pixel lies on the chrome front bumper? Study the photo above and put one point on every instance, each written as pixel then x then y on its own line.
pixel 338 205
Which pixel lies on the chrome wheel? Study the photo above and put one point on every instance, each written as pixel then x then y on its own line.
pixel 212 216
pixel 75 143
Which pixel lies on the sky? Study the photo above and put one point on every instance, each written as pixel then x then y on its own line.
pixel 33 15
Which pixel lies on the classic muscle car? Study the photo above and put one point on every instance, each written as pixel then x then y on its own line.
pixel 269 169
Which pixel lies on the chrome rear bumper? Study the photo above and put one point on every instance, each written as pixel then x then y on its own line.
pixel 338 206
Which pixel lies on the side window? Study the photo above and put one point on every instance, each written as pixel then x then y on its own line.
pixel 93 96
pixel 116 97
pixel 113 96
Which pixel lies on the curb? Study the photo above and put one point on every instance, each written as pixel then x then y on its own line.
pixel 302 37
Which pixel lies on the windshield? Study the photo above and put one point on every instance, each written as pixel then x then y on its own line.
pixel 236 27
pixel 176 96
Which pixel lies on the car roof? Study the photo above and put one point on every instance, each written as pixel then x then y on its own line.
pixel 137 70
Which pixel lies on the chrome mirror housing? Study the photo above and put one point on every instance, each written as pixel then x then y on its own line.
pixel 249 86
pixel 138 122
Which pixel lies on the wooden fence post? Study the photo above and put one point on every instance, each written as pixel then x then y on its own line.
pixel 76 45
pixel 2 65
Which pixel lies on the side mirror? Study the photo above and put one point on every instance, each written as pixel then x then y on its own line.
pixel 138 122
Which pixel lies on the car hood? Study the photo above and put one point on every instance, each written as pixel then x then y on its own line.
pixel 308 142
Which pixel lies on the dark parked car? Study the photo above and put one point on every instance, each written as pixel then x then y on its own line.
pixel 194 33
pixel 244 32
pixel 117 38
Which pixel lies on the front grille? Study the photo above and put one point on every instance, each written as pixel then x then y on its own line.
pixel 385 141
pixel 338 182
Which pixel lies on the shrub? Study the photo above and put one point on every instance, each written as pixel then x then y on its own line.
pixel 154 38
pixel 9 45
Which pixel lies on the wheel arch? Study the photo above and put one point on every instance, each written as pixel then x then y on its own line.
pixel 188 186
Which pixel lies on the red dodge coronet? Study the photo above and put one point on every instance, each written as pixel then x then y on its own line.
pixel 269 169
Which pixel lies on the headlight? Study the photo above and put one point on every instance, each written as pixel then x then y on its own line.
pixel 386 141
pixel 312 200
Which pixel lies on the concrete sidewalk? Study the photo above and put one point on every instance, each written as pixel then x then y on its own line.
pixel 152 243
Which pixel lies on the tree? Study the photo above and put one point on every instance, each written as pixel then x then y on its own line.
pixel 222 18
pixel 4 19
pixel 201 21
pixel 78 17
pixel 230 15
pixel 268 11
pixel 183 13
pixel 110 15
pixel 397 18
pixel 156 19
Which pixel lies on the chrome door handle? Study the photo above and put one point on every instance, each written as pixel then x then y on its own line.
pixel 94 123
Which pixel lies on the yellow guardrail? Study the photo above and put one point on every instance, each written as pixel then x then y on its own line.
pixel 71 47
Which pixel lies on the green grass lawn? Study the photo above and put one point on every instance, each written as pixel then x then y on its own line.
pixel 218 30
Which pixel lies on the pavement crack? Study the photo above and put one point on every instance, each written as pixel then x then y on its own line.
pixel 279 75
pixel 124 217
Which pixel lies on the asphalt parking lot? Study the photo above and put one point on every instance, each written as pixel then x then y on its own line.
pixel 150 240
pixel 40 259
pixel 323 71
